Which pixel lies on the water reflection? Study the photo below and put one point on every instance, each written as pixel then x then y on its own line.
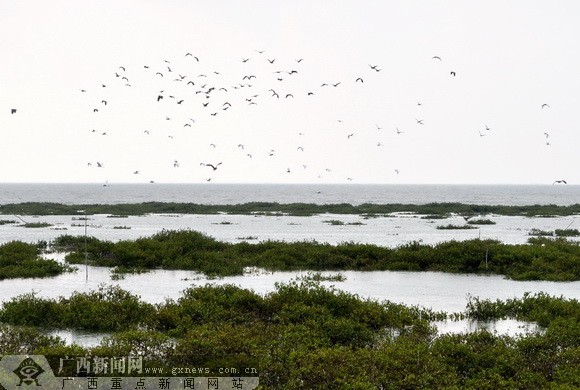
pixel 508 327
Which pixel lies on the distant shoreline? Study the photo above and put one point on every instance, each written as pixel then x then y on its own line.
pixel 293 209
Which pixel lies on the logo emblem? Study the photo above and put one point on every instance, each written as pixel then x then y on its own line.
pixel 28 372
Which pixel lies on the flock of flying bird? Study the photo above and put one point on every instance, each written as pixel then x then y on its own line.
pixel 210 95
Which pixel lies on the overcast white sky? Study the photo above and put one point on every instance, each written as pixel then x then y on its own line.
pixel 509 57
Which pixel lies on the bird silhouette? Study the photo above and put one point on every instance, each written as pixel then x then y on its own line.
pixel 13 111
pixel 359 79
pixel 452 73
pixel 545 105
pixel 214 167
pixel 419 121
pixel 560 181
pixel 437 58
pixel 375 67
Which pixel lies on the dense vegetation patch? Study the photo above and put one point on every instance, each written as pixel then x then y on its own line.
pixel 455 227
pixel 304 335
pixel 567 232
pixel 36 225
pixel 541 259
pixel 22 260
pixel 272 208
pixel 481 222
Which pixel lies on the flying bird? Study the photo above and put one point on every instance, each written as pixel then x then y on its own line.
pixel 559 181
pixel 419 121
pixel 359 79
pixel 545 105
pixel 437 58
pixel 13 111
pixel 452 73
pixel 375 67
pixel 214 167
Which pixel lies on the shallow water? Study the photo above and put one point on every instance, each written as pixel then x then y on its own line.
pixel 390 230
pixel 435 290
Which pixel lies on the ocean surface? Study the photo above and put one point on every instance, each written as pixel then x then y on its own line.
pixel 282 193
